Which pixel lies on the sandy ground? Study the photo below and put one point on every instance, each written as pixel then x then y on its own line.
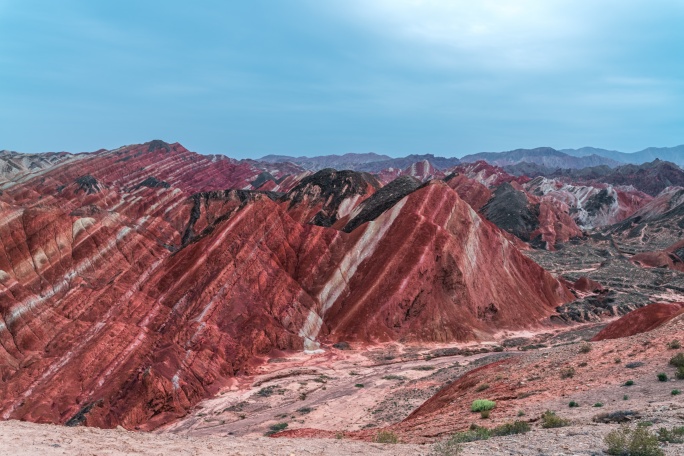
pixel 27 439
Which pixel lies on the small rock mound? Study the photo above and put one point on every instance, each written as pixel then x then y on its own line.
pixel 641 320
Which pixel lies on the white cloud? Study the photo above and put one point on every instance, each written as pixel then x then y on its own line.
pixel 523 34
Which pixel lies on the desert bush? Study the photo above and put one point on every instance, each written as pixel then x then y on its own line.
pixel 679 375
pixel 484 414
pixel 359 385
pixel 275 428
pixel 674 345
pixel 629 383
pixel 482 387
pixel 479 405
pixel 448 447
pixel 473 434
pixel 677 360
pixel 393 377
pixel 573 404
pixel 585 347
pixel 516 427
pixel 632 442
pixel 304 410
pixel 674 435
pixel 551 420
pixel 662 377
pixel 386 437
pixel 598 404
pixel 567 372
pixel 676 392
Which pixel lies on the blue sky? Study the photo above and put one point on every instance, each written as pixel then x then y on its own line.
pixel 309 77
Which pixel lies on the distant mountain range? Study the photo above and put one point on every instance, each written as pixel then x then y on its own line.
pixel 671 154
pixel 545 157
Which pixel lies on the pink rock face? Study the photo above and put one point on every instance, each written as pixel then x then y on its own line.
pixel 133 284
pixel 470 190
pixel 477 279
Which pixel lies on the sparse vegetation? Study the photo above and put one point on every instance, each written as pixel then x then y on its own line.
pixel 476 433
pixel 269 391
pixel 484 414
pixel 359 385
pixel 676 392
pixel 304 410
pixel 674 345
pixel 393 377
pixel 573 404
pixel 567 372
pixel 632 442
pixel 585 347
pixel 521 413
pixel 677 360
pixel 482 404
pixel 674 435
pixel 275 428
pixel 629 383
pixel 679 375
pixel 423 368
pixel 625 397
pixel 482 387
pixel 662 377
pixel 386 437
pixel 551 420
pixel 448 447
pixel 598 404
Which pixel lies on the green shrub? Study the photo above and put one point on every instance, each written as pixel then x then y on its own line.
pixel 677 360
pixel 598 404
pixel 521 413
pixel 676 392
pixel 674 435
pixel 662 377
pixel 551 420
pixel 482 404
pixel 625 397
pixel 573 404
pixel 359 385
pixel 674 345
pixel 386 437
pixel 632 442
pixel 629 383
pixel 275 428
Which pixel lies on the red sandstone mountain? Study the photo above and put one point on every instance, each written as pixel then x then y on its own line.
pixel 137 281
